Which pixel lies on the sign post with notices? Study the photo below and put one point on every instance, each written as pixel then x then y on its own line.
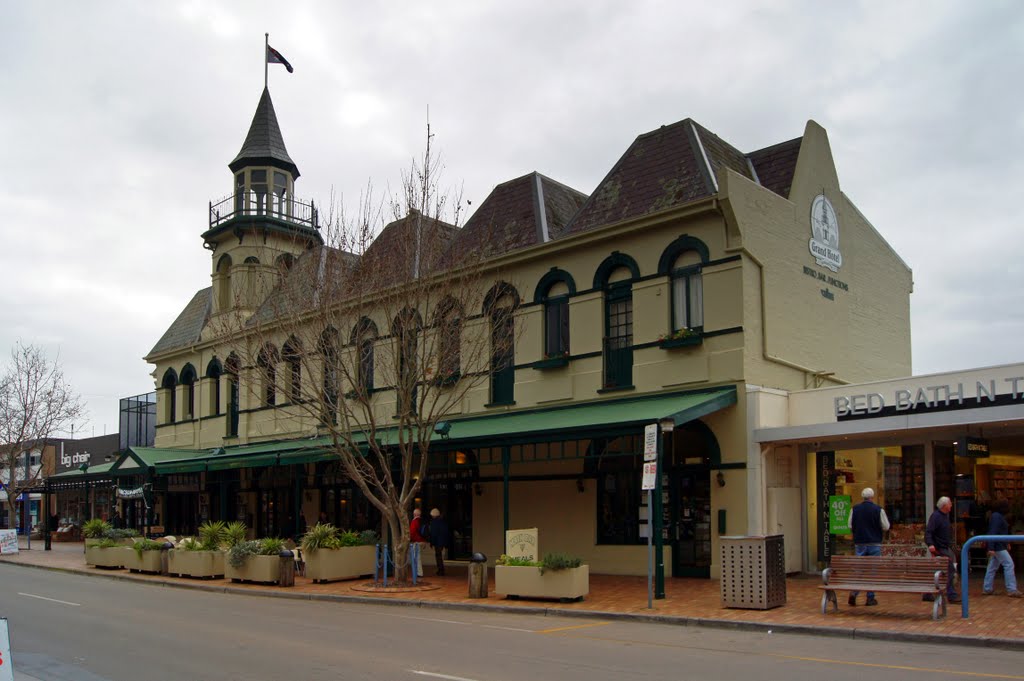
pixel 650 483
pixel 6 663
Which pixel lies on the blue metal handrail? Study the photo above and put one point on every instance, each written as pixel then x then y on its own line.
pixel 1007 538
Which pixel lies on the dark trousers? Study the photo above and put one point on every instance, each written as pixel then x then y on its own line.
pixel 951 575
pixel 439 558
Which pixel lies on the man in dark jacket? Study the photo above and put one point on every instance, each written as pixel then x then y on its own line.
pixel 868 521
pixel 440 537
pixel 999 554
pixel 938 535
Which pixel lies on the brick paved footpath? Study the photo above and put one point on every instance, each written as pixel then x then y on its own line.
pixel 994 620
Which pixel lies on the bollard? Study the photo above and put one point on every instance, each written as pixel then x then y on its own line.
pixel 164 557
pixel 286 568
pixel 478 576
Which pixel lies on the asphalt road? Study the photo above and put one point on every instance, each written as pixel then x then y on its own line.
pixel 78 628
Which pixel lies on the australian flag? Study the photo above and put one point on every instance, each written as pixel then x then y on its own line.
pixel 275 57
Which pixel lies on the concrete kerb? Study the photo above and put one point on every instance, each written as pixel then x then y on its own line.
pixel 649 618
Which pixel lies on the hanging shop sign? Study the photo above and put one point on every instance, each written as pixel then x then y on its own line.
pixel 988 393
pixel 972 447
pixel 137 493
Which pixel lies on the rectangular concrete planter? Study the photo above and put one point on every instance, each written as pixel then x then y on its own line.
pixel 204 564
pixel 149 562
pixel 114 557
pixel 325 565
pixel 256 569
pixel 528 582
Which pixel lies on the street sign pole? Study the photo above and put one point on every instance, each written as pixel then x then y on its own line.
pixel 650 483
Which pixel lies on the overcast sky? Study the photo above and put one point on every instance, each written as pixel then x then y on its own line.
pixel 118 120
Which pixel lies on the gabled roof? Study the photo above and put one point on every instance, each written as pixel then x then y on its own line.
pixel 528 210
pixel 264 144
pixel 188 327
pixel 776 164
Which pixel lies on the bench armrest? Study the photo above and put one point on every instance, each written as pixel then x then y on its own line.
pixel 825 575
pixel 938 579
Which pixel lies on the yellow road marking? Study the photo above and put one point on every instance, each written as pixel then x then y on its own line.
pixel 578 626
pixel 878 665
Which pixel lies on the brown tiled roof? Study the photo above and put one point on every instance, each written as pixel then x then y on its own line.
pixel 186 329
pixel 722 154
pixel 510 217
pixel 391 257
pixel 661 169
pixel 321 270
pixel 775 165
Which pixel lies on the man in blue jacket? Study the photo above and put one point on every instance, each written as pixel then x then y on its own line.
pixel 868 521
pixel 938 535
pixel 999 554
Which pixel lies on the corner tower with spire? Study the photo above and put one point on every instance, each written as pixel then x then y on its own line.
pixel 260 228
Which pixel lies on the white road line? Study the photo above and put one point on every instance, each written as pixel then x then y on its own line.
pixel 52 600
pixel 440 676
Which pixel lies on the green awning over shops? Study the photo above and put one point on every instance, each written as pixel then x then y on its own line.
pixel 98 469
pixel 228 463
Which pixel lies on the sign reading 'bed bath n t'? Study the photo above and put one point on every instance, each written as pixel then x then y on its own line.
pixel 522 544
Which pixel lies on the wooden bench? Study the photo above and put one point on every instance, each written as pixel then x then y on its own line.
pixel 894 574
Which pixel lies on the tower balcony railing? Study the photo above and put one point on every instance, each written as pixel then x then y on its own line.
pixel 265 205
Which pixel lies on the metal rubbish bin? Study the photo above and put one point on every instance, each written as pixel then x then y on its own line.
pixel 753 572
pixel 478 576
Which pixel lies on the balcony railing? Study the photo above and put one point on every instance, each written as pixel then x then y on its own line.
pixel 267 205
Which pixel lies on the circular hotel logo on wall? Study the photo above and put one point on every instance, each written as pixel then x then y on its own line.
pixel 824 243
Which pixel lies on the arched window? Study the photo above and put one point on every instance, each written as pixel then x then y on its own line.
pixel 214 371
pixel 683 261
pixel 188 379
pixel 553 291
pixel 284 262
pixel 500 305
pixel 266 363
pixel 615 275
pixel 364 337
pixel 292 355
pixel 170 384
pixel 232 368
pixel 224 283
pixel 448 323
pixel 406 331
pixel 329 357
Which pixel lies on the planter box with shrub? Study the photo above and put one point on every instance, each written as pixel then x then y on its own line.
pixel 350 562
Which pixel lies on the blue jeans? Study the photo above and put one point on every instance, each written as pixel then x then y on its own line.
pixel 866 550
pixel 994 561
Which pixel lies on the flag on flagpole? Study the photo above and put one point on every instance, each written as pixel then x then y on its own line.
pixel 275 57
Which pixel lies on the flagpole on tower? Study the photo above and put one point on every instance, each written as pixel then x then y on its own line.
pixel 266 62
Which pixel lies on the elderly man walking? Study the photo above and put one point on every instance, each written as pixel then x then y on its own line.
pixel 938 535
pixel 868 521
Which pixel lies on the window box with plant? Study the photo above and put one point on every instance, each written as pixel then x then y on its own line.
pixel 553 360
pixel 203 557
pixel 681 338
pixel 331 554
pixel 555 576
pixel 145 555
pixel 256 560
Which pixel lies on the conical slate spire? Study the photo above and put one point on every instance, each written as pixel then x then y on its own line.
pixel 264 144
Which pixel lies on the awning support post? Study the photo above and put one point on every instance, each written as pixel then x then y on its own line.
pixel 506 462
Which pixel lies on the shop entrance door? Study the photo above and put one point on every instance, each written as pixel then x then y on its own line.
pixel 690 515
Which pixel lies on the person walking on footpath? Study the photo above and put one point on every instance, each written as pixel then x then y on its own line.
pixel 868 521
pixel 416 537
pixel 938 535
pixel 999 554
pixel 439 538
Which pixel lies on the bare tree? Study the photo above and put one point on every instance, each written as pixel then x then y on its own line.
pixel 375 337
pixel 36 403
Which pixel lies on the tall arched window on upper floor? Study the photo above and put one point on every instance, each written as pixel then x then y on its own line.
pixel 188 380
pixel 224 294
pixel 554 291
pixel 448 324
pixel 500 306
pixel 615 276
pixel 170 385
pixel 214 371
pixel 683 261
pixel 328 348
pixel 364 338
pixel 232 369
pixel 406 331
pixel 292 355
pixel 266 363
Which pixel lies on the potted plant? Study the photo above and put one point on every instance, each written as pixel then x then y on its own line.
pixel 553 360
pixel 94 530
pixel 204 557
pixel 331 554
pixel 255 560
pixel 144 556
pixel 107 553
pixel 680 338
pixel 557 575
